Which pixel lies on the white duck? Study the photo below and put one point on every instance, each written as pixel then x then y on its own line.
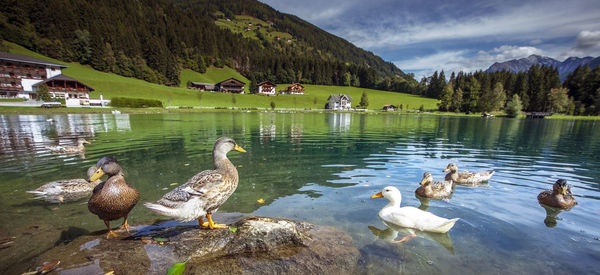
pixel 410 217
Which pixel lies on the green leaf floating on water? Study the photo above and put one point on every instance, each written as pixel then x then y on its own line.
pixel 176 269
pixel 233 229
pixel 160 239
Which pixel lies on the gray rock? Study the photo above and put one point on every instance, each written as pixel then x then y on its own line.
pixel 260 245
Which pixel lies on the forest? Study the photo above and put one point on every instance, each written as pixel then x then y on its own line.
pixel 538 89
pixel 154 40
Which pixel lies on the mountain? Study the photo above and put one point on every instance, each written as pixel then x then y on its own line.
pixel 564 67
pixel 154 40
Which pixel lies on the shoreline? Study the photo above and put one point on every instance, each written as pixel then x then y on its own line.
pixel 9 110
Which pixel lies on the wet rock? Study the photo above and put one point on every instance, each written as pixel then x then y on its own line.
pixel 259 245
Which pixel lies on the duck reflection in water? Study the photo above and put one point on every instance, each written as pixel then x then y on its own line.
pixel 391 232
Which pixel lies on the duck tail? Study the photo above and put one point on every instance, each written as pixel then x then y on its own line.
pixel 37 193
pixel 447 225
pixel 161 209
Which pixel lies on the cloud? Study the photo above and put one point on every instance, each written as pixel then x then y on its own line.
pixel 464 60
pixel 587 40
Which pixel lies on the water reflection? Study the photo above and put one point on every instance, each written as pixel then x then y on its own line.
pixel 551 215
pixel 391 232
pixel 340 122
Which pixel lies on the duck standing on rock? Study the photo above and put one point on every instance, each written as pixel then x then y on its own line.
pixel 466 177
pixel 559 197
pixel 205 192
pixel 114 198
pixel 410 217
pixel 68 149
pixel 434 190
pixel 66 190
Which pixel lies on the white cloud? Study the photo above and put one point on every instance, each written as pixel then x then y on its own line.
pixel 462 60
pixel 587 43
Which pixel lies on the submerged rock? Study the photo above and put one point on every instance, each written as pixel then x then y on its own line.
pixel 252 245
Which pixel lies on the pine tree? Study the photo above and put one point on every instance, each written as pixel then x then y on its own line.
pixel 513 107
pixel 364 101
pixel 446 98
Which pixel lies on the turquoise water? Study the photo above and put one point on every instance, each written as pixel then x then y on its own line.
pixel 323 168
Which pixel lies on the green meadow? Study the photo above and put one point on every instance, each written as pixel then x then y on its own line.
pixel 111 85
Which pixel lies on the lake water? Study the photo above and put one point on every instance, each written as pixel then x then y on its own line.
pixel 322 168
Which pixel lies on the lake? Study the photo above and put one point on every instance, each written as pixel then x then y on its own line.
pixel 322 168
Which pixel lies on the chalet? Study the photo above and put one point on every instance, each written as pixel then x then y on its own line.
pixel 18 74
pixel 266 88
pixel 339 102
pixel 230 85
pixel 389 108
pixel 294 89
pixel 201 86
pixel 62 86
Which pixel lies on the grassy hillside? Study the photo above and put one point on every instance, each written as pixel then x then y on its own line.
pixel 112 85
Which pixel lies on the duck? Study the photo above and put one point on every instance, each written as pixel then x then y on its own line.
pixel 114 198
pixel 69 149
pixel 434 190
pixel 466 177
pixel 68 190
pixel 205 192
pixel 559 197
pixel 410 217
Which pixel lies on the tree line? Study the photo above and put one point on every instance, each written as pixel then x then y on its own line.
pixel 154 40
pixel 536 90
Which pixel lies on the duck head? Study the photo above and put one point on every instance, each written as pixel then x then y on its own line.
pixel 82 141
pixel 451 167
pixel 427 179
pixel 106 165
pixel 561 187
pixel 225 144
pixel 391 193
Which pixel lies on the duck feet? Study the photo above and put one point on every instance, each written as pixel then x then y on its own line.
pixel 405 238
pixel 125 225
pixel 110 232
pixel 210 224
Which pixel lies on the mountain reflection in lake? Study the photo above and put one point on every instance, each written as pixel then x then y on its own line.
pixel 322 168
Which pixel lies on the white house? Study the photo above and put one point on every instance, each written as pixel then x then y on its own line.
pixel 266 88
pixel 339 102
pixel 19 74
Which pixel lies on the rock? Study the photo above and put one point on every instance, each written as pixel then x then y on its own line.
pixel 259 245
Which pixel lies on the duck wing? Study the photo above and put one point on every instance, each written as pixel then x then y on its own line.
pixel 196 186
pixel 412 217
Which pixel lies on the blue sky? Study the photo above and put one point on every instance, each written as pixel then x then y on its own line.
pixel 456 35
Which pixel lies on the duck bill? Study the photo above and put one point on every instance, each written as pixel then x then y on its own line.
pixel 239 149
pixel 446 170
pixel 378 195
pixel 98 174
pixel 423 181
pixel 563 191
pixel 86 142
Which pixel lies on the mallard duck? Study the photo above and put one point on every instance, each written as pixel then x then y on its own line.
pixel 114 198
pixel 434 190
pixel 68 149
pixel 205 192
pixel 466 177
pixel 559 197
pixel 66 190
pixel 410 217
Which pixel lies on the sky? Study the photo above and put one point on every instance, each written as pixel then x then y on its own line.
pixel 424 36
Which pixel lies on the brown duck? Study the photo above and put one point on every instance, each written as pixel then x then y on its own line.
pixel 434 190
pixel 205 192
pixel 559 197
pixel 114 198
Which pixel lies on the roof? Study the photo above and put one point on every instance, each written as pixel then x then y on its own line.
pixel 62 77
pixel 201 83
pixel 339 97
pixel 27 59
pixel 266 82
pixel 243 83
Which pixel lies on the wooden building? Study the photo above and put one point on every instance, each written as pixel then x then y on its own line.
pixel 389 108
pixel 230 85
pixel 293 89
pixel 18 74
pixel 266 88
pixel 62 86
pixel 201 86
pixel 339 102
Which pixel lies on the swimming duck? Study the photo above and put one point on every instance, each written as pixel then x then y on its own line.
pixel 68 148
pixel 66 190
pixel 205 192
pixel 466 177
pixel 434 190
pixel 410 217
pixel 114 198
pixel 559 197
